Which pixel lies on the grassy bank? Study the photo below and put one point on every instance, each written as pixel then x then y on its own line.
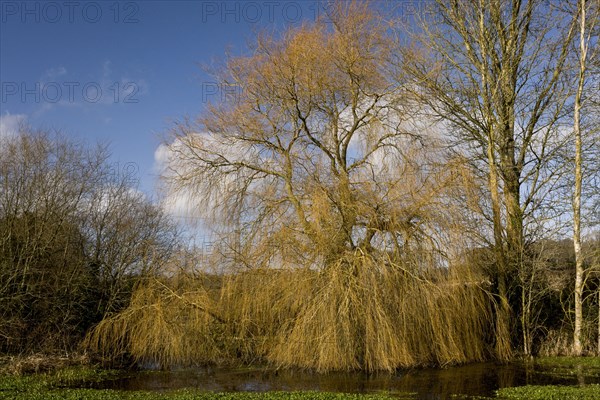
pixel 580 367
pixel 590 392
pixel 90 394
pixel 569 362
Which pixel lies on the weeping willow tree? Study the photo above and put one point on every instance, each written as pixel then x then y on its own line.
pixel 341 217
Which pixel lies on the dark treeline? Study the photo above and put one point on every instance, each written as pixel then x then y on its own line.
pixel 75 236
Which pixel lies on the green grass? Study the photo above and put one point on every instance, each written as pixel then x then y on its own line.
pixel 92 394
pixel 569 362
pixel 77 394
pixel 590 392
pixel 583 367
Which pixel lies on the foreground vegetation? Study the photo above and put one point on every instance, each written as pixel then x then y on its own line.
pixel 589 392
pixel 91 394
pixel 581 367
pixel 569 362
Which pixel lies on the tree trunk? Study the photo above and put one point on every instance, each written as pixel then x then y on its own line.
pixel 577 347
pixel 503 347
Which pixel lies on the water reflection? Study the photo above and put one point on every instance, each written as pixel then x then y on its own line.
pixel 473 380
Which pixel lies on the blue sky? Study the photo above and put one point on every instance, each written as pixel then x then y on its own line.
pixel 121 71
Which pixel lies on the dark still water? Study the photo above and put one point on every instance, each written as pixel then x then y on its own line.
pixel 471 380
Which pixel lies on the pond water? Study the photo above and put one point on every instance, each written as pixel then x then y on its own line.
pixel 471 380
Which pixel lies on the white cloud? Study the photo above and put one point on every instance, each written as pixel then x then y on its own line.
pixel 59 88
pixel 180 204
pixel 10 124
pixel 195 201
pixel 161 157
pixel 106 69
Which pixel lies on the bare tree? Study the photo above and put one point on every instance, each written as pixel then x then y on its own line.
pixel 74 237
pixel 587 24
pixel 126 237
pixel 493 70
pixel 43 184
